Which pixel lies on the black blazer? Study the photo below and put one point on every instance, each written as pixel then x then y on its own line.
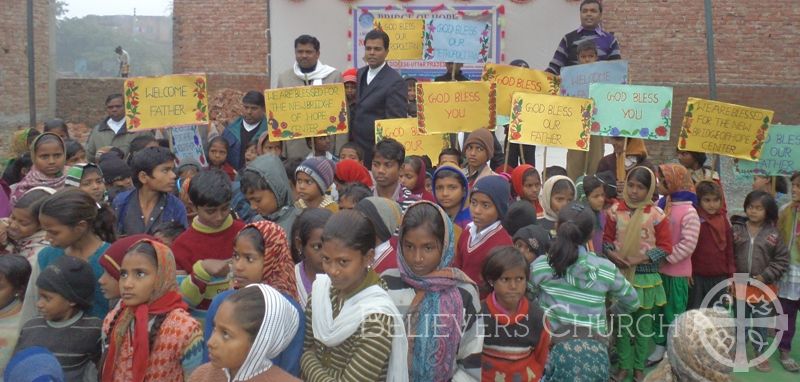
pixel 383 98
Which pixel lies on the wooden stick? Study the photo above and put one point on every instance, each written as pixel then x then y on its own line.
pixel 588 158
pixel 624 149
pixel 773 184
pixel 313 147
pixel 522 155
pixel 508 145
pixel 544 164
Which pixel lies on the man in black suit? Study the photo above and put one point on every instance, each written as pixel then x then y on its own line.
pixel 381 93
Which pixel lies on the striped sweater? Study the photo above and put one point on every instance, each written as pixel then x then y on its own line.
pixel 579 298
pixel 567 51
pixel 362 357
pixel 75 343
pixel 684 224
pixel 468 360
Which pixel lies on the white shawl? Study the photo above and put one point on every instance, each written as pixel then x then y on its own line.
pixel 371 300
pixel 320 72
pixel 278 328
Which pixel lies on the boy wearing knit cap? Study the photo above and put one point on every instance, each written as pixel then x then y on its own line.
pixel 116 174
pixel 66 288
pixel 478 149
pixel 488 205
pixel 313 178
pixel 89 178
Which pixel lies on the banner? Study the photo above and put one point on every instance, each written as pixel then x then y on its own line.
pixel 575 79
pixel 363 20
pixel 166 101
pixel 547 120
pixel 724 128
pixel 405 131
pixel 456 40
pixel 306 111
pixel 513 79
pixel 405 37
pixel 186 143
pixel 452 107
pixel 632 111
pixel 780 155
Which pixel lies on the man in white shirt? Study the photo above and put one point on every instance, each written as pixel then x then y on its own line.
pixel 382 93
pixel 246 129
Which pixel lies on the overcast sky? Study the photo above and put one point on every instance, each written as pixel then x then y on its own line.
pixel 80 8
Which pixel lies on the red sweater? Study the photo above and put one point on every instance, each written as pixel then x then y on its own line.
pixel 470 258
pixel 193 245
pixel 710 259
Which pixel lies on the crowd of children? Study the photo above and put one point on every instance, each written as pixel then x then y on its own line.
pixel 116 265
pixel 133 269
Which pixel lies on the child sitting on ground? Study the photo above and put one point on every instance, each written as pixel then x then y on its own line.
pixel 15 272
pixel 66 288
pixel 88 178
pixel 49 155
pixel 152 201
pixel 218 154
pixel 321 149
pixel 350 150
pixel 313 178
pixel 413 175
pixel 351 194
pixel 488 206
pixel 527 185
pixel 557 192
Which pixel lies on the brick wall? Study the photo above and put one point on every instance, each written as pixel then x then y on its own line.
pixel 756 63
pixel 82 100
pixel 225 39
pixel 14 64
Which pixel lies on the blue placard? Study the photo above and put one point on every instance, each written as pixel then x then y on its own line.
pixel 575 79
pixel 780 155
pixel 455 40
pixel 632 111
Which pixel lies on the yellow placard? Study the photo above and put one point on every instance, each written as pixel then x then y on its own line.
pixel 452 107
pixel 547 120
pixel 158 102
pixel 405 37
pixel 306 111
pixel 514 79
pixel 724 128
pixel 405 131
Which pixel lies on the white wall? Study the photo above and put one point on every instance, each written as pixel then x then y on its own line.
pixel 533 30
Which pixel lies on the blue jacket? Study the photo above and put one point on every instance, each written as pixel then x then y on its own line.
pixel 174 211
pixel 233 135
pixel 288 360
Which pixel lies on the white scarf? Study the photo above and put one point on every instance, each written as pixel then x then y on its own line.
pixel 115 126
pixel 372 300
pixel 320 72
pixel 278 328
